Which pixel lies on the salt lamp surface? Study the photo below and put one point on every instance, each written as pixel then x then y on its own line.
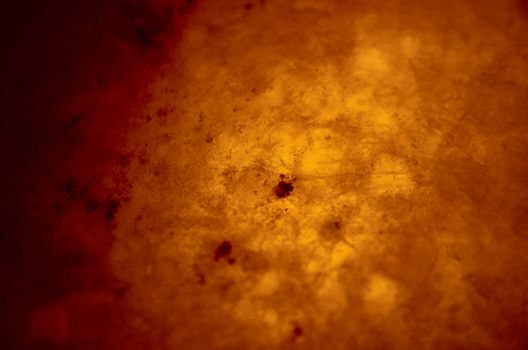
pixel 266 174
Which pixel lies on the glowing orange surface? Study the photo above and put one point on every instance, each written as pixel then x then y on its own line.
pixel 312 175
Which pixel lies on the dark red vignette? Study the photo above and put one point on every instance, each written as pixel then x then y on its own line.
pixel 73 73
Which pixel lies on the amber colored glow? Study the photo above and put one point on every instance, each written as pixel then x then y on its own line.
pixel 323 175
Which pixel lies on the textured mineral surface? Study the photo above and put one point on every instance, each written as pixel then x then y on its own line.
pixel 271 174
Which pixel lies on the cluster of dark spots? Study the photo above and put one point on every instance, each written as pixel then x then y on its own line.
pixel 163 114
pixel 74 188
pixel 111 209
pixel 297 332
pixel 143 37
pixel 208 138
pixel 69 187
pixel 148 118
pixel 148 24
pixel 78 192
pixel 223 250
pixel 284 187
pixel 164 111
pixel 248 6
pixel 125 159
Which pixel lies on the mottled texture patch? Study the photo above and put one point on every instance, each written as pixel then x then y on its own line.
pixel 152 201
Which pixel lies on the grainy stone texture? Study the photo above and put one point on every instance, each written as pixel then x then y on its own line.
pixel 275 174
pixel 405 127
